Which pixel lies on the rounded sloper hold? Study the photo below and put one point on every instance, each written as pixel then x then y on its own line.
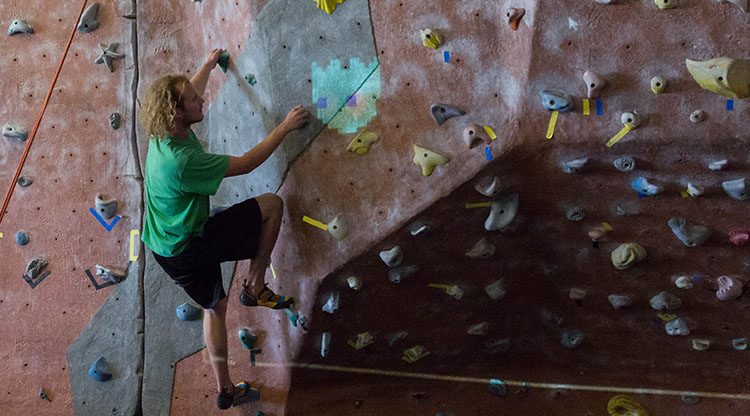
pixel 247 338
pixel 15 132
pixel 24 181
pixel 736 189
pixel 35 267
pixel 694 189
pixel 105 207
pixel 730 287
pixel 665 301
pixel 498 387
pixel 428 160
pixel 691 235
pixel 482 249
pixel 739 237
pixel 474 135
pixel 697 116
pixel 658 83
pixel 572 338
pixel 666 4
pixel 361 143
pixel 677 327
pixel 392 257
pixel 644 187
pixel 397 274
pixel 89 22
pixel 725 76
pixel 594 83
pixel 114 120
pixel 556 101
pixel 628 254
pixel 430 38
pixel 488 186
pixel 624 163
pixel 572 166
pixel 620 301
pixel 22 238
pixel 630 119
pixel 575 213
pixel 502 213
pixel 743 5
pixel 188 312
pixel 718 164
pixel 442 112
pixel 684 282
pixel 496 290
pixel 19 26
pixel 699 344
pixel 338 228
pixel 478 329
pixel 740 344
pixel 515 15
pixel 100 371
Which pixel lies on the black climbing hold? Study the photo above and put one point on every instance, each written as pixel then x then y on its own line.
pixel 114 120
pixel 23 181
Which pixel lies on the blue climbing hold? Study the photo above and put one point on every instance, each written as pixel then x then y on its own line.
pixel 556 100
pixel 100 371
pixel 247 338
pixel 188 312
pixel 22 238
pixel 498 387
pixel 644 187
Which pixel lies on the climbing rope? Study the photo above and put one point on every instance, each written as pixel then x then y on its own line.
pixel 39 117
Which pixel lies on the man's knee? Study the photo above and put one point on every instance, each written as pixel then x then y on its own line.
pixel 270 204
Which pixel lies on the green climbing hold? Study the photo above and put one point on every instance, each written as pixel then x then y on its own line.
pixel 224 61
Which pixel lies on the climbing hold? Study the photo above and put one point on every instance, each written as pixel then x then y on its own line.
pixel 597 234
pixel 474 135
pixel 338 228
pixel 105 207
pixel 739 237
pixel 363 340
pixel 606 1
pixel 666 4
pixel 482 249
pixel 325 343
pixel 665 301
pixel 697 116
pixel 725 76
pixel 15 132
pixel 690 235
pixel 332 303
pixel 111 274
pixel 360 144
pixel 684 282
pixel 677 327
pixel 626 255
pixel 594 83
pixel 624 163
pixel 450 290
pixel 497 346
pixel 735 188
pixel 108 54
pixel 576 165
pixel 395 338
pixel 397 274
pixel 730 287
pixel 328 6
pixel 619 301
pixel 630 119
pixel 44 395
pixel 430 38
pixel 478 329
pixel 392 257
pixel 496 290
pixel 223 61
pixel 428 160
pixel 100 370
pixel 24 181
pixel 88 22
pixel 740 344
pixel 354 282
pixel 502 213
pixel 575 213
pixel 22 238
pixel 644 187
pixel 718 164
pixel 488 186
pixel 658 83
pixel 577 294
pixel 515 14
pixel 114 120
pixel 442 112
pixel 556 101
pixel 623 405
pixel 419 227
pixel 250 79
pixel 700 344
pixel 498 387
pixel 744 5
pixel 694 190
pixel 187 312
pixel 415 353
pixel 572 338
pixel 35 267
pixel 19 26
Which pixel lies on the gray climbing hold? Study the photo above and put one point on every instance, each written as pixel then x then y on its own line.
pixel 397 274
pixel 15 132
pixel 88 22
pixel 556 100
pixel 606 1
pixel 100 370
pixel 740 344
pixel 22 238
pixel 250 79
pixel 665 301
pixel 677 327
pixel 624 163
pixel 19 26
pixel 690 399
pixel 644 187
pixel 488 186
pixel 108 54
pixel 718 164
pixel 392 257
pixel 691 235
pixel 502 213
pixel 188 312
pixel 735 189
pixel 572 338
pixel 482 249
pixel 498 387
pixel 594 83
pixel 114 120
pixel 35 267
pixel 620 301
pixel 110 274
pixel 498 346
pixel 442 112
pixel 697 116
pixel 24 181
pixel 575 165
pixel 105 207
pixel 575 213
pixel 496 290
pixel 332 303
pixel 478 329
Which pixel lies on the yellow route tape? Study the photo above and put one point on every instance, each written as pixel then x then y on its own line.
pixel 620 134
pixel 315 223
pixel 684 193
pixel 490 132
pixel 133 255
pixel 438 286
pixel 478 204
pixel 552 124
pixel 586 107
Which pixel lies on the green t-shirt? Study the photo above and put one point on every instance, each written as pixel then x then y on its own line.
pixel 179 177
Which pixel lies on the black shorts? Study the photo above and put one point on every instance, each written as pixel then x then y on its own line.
pixel 230 235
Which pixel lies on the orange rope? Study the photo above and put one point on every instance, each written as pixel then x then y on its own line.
pixel 9 194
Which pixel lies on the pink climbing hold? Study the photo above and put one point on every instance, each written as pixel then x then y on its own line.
pixel 729 288
pixel 739 237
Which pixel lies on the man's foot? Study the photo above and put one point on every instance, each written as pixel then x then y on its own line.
pixel 228 397
pixel 266 298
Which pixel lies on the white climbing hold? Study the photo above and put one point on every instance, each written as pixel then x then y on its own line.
pixel 718 164
pixel 736 189
pixel 19 26
pixel 325 344
pixel 572 166
pixel 338 228
pixel 677 327
pixel 630 119
pixel 502 213
pixel 665 301
pixel 354 282
pixel 701 344
pixel 392 257
pixel 730 287
pixel 488 186
pixel 15 132
pixel 690 234
pixel 694 190
pixel 697 116
pixel 684 282
pixel 332 303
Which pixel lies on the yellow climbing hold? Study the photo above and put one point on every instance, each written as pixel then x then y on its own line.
pixel 623 405
pixel 428 160
pixel 430 38
pixel 361 142
pixel 328 6
pixel 727 77
pixel 627 255
pixel 666 4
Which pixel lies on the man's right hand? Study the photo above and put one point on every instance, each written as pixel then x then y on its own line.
pixel 297 118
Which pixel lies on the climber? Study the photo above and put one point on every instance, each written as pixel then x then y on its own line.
pixel 189 244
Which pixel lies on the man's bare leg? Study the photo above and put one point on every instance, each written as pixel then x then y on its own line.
pixel 272 210
pixel 215 336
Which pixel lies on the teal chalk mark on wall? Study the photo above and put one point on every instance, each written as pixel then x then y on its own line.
pixel 349 94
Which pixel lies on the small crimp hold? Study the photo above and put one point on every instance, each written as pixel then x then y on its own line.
pixel 35 267
pixel 573 166
pixel 24 181
pixel 699 344
pixel 502 213
pixel 694 190
pixel 624 163
pixel 740 344
pixel 361 143
pixel 250 79
pixel 15 132
pixel 730 287
pixel 739 237
pixel 363 340
pixel 415 353
pixel 354 282
pixel 325 344
pixel 718 164
pixel 430 38
pixel 332 303
pixel 44 395
pixel 620 301
pixel 397 274
pixel 594 83
pixel 630 119
pixel 478 329
pixel 556 101
pixel 666 4
pixel 223 61
pixel 19 26
pixel 683 282
pixel 515 15
pixel 575 213
pixel 498 388
pixel 474 135
pixel 89 22
pixel 428 160
pixel 442 112
pixel 697 116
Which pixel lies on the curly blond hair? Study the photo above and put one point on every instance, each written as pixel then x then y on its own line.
pixel 160 105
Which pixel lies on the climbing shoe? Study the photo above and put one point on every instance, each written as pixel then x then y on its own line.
pixel 227 398
pixel 266 298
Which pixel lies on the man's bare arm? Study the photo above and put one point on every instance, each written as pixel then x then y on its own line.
pixel 200 79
